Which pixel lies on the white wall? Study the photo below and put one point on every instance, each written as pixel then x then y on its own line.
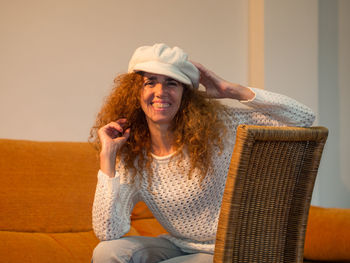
pixel 291 49
pixel 306 55
pixel 333 180
pixel 344 93
pixel 59 58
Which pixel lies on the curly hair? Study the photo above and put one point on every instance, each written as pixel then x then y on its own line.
pixel 196 125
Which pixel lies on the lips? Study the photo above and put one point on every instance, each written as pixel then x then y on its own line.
pixel 160 104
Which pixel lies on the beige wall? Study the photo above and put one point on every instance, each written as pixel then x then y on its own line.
pixel 333 188
pixel 291 38
pixel 59 58
pixel 306 56
pixel 344 86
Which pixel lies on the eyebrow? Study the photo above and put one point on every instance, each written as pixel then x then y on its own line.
pixel 167 79
pixel 150 78
pixel 171 79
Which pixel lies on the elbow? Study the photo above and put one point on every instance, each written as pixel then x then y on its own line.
pixel 305 119
pixel 107 231
pixel 100 232
pixel 310 119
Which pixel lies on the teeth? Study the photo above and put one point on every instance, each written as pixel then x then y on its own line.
pixel 161 105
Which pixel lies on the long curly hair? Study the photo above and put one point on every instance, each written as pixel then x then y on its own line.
pixel 197 126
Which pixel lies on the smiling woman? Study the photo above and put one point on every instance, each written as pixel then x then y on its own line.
pixel 160 99
pixel 165 143
pixel 155 127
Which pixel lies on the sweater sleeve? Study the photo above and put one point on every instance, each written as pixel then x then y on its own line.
pixel 272 109
pixel 113 203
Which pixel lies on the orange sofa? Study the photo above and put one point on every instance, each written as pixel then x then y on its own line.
pixel 46 196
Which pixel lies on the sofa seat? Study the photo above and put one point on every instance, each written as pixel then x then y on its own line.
pixel 46 196
pixel 47 247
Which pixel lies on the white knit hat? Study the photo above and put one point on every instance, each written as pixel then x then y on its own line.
pixel 161 59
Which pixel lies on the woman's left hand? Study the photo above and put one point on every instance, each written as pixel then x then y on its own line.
pixel 218 88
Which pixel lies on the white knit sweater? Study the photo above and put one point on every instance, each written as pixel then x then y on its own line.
pixel 187 211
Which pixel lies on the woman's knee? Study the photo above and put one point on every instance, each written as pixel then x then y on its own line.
pixel 112 251
pixel 135 249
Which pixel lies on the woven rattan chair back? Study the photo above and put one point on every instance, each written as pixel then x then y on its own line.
pixel 267 195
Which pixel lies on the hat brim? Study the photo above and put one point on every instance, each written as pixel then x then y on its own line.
pixel 169 70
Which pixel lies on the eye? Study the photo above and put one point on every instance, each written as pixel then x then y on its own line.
pixel 148 83
pixel 172 83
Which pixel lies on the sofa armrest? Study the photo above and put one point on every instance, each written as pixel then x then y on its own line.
pixel 328 234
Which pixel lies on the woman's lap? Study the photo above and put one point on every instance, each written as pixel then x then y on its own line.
pixel 138 249
pixel 191 258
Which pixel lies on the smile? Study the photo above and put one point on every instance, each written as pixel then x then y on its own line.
pixel 160 105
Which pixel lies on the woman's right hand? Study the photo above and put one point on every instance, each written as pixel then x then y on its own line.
pixel 112 137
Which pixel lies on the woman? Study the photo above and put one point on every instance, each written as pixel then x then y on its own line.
pixel 164 142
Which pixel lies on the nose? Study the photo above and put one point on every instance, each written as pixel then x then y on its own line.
pixel 160 89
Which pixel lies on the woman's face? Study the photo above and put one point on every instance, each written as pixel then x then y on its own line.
pixel 160 98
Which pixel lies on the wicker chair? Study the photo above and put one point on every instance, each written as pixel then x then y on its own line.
pixel 267 195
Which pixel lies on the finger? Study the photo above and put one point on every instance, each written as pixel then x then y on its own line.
pixel 124 123
pixel 205 74
pixel 122 120
pixel 198 65
pixel 112 130
pixel 124 137
pixel 202 69
pixel 114 125
pixel 127 133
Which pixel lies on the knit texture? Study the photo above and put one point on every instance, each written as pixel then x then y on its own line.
pixel 188 210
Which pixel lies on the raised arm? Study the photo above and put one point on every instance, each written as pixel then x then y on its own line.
pixel 112 137
pixel 114 197
pixel 218 88
pixel 266 108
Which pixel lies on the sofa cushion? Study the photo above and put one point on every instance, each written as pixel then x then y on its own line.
pixel 148 227
pixel 46 247
pixel 144 223
pixel 141 211
pixel 327 234
pixel 47 186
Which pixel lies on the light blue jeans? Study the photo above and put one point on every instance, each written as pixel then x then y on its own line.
pixel 138 249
